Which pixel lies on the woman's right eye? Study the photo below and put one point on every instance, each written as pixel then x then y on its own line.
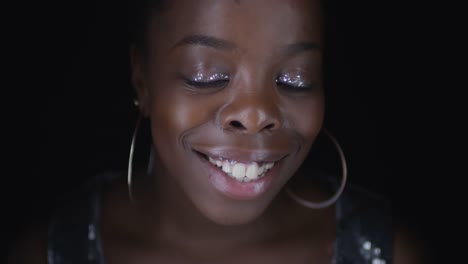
pixel 217 80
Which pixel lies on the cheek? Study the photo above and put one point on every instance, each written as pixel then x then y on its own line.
pixel 176 112
pixel 306 117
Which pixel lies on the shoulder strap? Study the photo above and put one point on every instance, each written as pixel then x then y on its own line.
pixel 73 235
pixel 364 231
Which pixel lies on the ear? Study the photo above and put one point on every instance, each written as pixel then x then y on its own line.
pixel 139 81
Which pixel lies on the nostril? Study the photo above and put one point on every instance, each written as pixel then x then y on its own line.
pixel 270 126
pixel 236 124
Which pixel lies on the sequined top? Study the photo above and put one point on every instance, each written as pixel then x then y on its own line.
pixel 364 228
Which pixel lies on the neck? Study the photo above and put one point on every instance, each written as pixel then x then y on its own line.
pixel 166 216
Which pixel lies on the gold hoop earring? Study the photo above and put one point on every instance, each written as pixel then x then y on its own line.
pixel 336 196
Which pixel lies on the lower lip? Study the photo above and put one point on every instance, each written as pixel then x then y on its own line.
pixel 239 190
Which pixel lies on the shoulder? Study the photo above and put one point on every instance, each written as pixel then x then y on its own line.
pixel 365 227
pixel 30 247
pixel 66 228
pixel 374 215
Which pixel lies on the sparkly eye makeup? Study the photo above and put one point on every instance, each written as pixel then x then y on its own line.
pixel 202 80
pixel 294 82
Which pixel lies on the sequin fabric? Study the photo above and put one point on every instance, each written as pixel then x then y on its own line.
pixel 363 228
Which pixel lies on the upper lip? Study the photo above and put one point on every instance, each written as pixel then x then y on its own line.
pixel 243 155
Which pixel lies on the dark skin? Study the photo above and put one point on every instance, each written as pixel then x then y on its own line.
pixel 270 118
pixel 250 86
pixel 249 114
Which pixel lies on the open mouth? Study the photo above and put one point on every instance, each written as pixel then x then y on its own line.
pixel 240 171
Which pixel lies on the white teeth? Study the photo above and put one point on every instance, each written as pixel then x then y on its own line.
pixel 226 167
pixel 261 170
pixel 238 171
pixel 252 171
pixel 241 171
pixel 211 160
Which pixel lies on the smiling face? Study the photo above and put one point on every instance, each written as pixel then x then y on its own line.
pixel 233 90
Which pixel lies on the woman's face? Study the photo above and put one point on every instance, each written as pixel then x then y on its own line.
pixel 233 90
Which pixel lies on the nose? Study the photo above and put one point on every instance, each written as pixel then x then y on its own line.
pixel 251 114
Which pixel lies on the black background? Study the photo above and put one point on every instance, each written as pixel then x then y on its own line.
pixel 73 117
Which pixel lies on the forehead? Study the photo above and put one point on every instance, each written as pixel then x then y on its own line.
pixel 257 21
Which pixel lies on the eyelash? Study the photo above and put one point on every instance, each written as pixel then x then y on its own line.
pixel 221 80
pixel 209 84
pixel 214 81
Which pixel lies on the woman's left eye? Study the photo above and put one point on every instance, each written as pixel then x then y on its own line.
pixel 294 82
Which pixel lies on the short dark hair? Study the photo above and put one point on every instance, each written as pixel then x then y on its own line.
pixel 141 12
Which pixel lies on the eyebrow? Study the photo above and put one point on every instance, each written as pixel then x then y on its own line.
pixel 222 44
pixel 207 41
pixel 295 48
